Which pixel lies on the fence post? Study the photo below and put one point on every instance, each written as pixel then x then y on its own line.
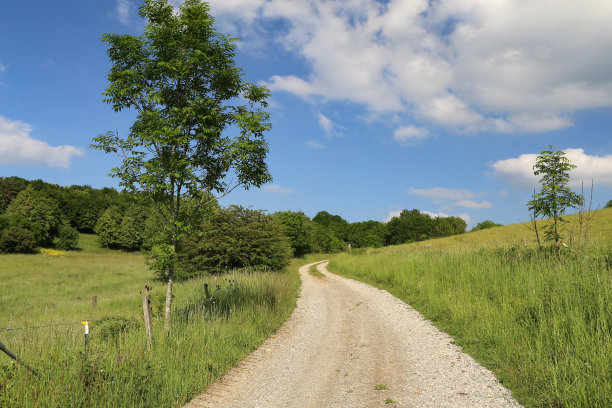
pixel 86 323
pixel 146 308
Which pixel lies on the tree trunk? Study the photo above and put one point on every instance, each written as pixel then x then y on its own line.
pixel 168 301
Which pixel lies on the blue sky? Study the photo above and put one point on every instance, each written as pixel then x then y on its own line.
pixel 376 106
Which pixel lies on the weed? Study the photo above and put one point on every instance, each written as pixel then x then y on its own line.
pixel 381 387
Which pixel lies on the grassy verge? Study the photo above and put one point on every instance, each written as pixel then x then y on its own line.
pixel 118 370
pixel 542 323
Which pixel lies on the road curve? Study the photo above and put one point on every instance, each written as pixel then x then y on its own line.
pixel 348 344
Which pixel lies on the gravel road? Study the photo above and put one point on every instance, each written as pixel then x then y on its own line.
pixel 351 345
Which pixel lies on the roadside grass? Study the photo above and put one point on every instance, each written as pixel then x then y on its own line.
pixel 118 369
pixel 315 272
pixel 542 323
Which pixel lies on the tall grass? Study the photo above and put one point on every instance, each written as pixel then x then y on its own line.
pixel 542 323
pixel 118 369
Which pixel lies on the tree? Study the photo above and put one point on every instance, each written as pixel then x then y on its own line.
pixel 297 227
pixel 180 78
pixel 555 197
pixel 40 211
pixel 484 225
pixel 609 204
pixel 108 228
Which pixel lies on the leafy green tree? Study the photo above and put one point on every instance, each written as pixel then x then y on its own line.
pixel 108 228
pixel 180 78
pixel 485 224
pixel 410 226
pixel 41 212
pixel 555 197
pixel 9 188
pixel 334 223
pixel 132 228
pixel 366 234
pixel 67 237
pixel 609 204
pixel 297 227
pixel 235 238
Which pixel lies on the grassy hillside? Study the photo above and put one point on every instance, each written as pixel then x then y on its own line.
pixel 44 298
pixel 541 322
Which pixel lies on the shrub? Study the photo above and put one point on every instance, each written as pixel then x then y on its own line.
pixel 68 237
pixel 235 238
pixel 15 239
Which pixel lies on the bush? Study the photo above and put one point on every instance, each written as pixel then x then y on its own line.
pixel 236 238
pixel 15 239
pixel 68 237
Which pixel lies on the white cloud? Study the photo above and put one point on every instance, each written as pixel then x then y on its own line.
pixel 448 193
pixel 276 189
pixel 518 171
pixel 410 135
pixel 392 214
pixel 124 10
pixel 18 148
pixel 314 144
pixel 472 65
pixel 2 67
pixel 473 204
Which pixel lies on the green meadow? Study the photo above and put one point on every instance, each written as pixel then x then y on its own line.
pixel 542 322
pixel 45 297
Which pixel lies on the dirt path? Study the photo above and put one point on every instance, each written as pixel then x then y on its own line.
pixel 350 345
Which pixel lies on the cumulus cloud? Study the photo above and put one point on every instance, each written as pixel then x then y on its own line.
pixel 392 214
pixel 473 204
pixel 276 189
pixel 467 65
pixel 410 135
pixel 19 148
pixel 518 171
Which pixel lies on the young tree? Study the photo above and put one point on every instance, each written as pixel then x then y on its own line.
pixel 555 197
pixel 180 78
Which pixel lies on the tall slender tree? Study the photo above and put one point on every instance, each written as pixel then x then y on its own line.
pixel 197 120
pixel 555 197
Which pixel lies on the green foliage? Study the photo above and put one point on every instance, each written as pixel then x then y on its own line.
pixel 555 197
pixel 180 78
pixel 414 225
pixel 334 223
pixel 297 227
pixel 162 260
pixel 9 188
pixel 132 228
pixel 16 240
pixel 108 228
pixel 608 204
pixel 41 212
pixel 236 238
pixel 111 327
pixel 67 237
pixel 484 225
pixel 366 234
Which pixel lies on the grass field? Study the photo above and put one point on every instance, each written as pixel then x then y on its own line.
pixel 118 370
pixel 541 322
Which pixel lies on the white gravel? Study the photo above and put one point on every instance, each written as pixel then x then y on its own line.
pixel 346 338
